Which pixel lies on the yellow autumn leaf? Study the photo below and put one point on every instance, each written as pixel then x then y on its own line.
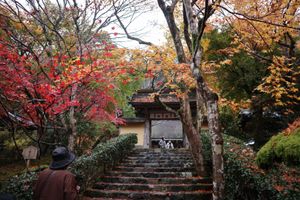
pixel 279 103
pixel 294 89
pixel 226 62
pixel 277 95
pixel 268 80
pixel 205 44
pixel 298 44
pixel 260 88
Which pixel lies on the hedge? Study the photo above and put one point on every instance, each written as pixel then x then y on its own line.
pixel 243 183
pixel 86 167
pixel 105 155
pixel 243 179
pixel 280 148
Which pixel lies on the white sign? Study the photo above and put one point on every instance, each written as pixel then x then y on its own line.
pixel 30 153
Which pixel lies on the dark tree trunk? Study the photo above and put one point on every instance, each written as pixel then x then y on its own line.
pixel 217 146
pixel 211 100
pixel 192 135
pixel 72 137
pixel 186 116
pixel 205 97
pixel 18 150
pixel 169 15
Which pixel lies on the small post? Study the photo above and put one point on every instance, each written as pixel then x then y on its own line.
pixel 27 165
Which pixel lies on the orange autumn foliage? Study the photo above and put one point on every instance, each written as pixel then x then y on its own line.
pixel 292 127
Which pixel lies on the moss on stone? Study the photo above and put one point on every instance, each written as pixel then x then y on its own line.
pixel 280 148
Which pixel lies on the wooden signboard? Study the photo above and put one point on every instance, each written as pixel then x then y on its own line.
pixel 29 153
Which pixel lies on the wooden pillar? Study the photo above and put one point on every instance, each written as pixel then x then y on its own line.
pixel 186 143
pixel 147 127
pixel 147 134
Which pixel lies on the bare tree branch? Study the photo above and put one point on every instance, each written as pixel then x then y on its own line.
pixel 128 35
pixel 173 5
pixel 186 32
pixel 131 37
pixel 242 16
pixel 169 15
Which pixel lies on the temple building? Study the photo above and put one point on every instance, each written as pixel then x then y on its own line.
pixel 153 121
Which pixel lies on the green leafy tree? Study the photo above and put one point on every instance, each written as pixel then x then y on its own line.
pixel 238 78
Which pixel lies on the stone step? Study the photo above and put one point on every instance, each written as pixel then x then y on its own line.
pixel 154 169
pixel 101 198
pixel 132 194
pixel 182 164
pixel 159 150
pixel 144 159
pixel 161 154
pixel 157 161
pixel 147 180
pixel 159 158
pixel 152 174
pixel 152 187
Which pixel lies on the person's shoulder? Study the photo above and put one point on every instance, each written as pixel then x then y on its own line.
pixel 65 173
pixel 45 171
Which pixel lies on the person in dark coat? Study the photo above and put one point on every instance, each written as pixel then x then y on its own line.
pixel 4 196
pixel 162 143
pixel 56 182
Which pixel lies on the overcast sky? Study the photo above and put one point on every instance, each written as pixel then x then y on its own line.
pixel 151 27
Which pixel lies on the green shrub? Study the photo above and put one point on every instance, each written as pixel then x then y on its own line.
pixel 242 183
pixel 21 186
pixel 266 154
pixel 231 123
pixel 86 167
pixel 105 155
pixel 206 142
pixel 243 179
pixel 280 148
pixel 94 134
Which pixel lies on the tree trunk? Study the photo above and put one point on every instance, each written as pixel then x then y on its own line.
pixel 200 110
pixel 186 116
pixel 217 147
pixel 73 134
pixel 18 150
pixel 192 135
pixel 211 100
pixel 168 12
pixel 204 95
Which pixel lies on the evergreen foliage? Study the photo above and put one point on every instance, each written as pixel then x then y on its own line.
pixel 244 180
pixel 231 122
pixel 238 79
pixel 280 148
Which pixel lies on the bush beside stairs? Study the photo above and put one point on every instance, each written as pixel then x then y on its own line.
pixel 153 174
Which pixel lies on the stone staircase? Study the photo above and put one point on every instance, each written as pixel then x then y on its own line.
pixel 153 174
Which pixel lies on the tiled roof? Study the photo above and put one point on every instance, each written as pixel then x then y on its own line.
pixel 148 98
pixel 134 120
